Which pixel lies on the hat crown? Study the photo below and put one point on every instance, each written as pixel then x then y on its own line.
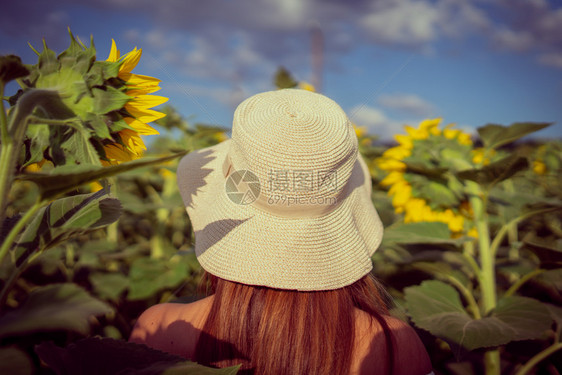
pixel 306 247
pixel 298 143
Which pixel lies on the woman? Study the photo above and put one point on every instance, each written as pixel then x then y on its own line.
pixel 285 229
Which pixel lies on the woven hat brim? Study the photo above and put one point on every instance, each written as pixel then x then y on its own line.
pixel 246 244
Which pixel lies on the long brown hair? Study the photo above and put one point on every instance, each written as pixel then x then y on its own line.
pixel 273 331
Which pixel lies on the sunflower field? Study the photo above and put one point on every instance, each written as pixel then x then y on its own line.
pixel 94 230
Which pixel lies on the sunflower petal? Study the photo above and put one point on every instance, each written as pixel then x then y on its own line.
pixel 140 127
pixel 144 115
pixel 132 141
pixel 464 139
pixel 451 133
pixel 404 140
pixel 138 79
pixel 130 61
pixel 391 165
pixel 95 186
pixel 142 90
pixel 402 196
pixel 392 178
pixel 430 123
pixel 117 152
pixel 114 52
pixel 147 101
pixel 398 153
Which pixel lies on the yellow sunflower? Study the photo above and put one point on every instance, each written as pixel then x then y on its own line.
pixel 306 86
pixel 419 179
pixel 130 145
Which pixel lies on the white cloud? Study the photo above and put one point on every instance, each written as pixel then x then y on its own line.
pixel 551 21
pixel 280 15
pixel 551 59
pixel 408 104
pixel 224 59
pixel 376 121
pixel 230 97
pixel 419 23
pixel 519 41
pixel 402 22
pixel 523 25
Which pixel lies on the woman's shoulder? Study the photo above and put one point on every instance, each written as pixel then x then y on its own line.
pixel 172 327
pixel 410 356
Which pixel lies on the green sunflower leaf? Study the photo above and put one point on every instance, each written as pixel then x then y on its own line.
pixel 494 136
pixel 13 361
pixel 120 357
pixel 68 177
pixel 102 71
pixel 424 167
pixel 74 48
pixel 118 125
pixel 71 87
pixel 110 69
pixel 77 57
pixel 65 218
pixel 457 158
pixel 47 62
pixel 109 285
pixel 109 99
pixel 98 125
pixel 548 252
pixel 438 194
pixel 437 308
pixel 497 171
pixel 51 308
pixel 284 79
pixel 38 134
pixel 423 233
pixel 80 147
pixel 442 271
pixel 147 276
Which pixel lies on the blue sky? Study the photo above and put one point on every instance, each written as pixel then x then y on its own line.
pixel 386 62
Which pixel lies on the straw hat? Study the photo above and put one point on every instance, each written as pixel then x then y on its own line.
pixel 286 202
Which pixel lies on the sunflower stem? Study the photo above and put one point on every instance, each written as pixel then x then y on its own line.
pixel 6 174
pixel 538 358
pixel 10 238
pixel 73 122
pixel 504 229
pixel 15 128
pixel 5 154
pixel 492 362
pixel 487 278
pixel 8 285
pixel 468 255
pixel 3 119
pixel 467 295
pixel 522 281
pixel 512 233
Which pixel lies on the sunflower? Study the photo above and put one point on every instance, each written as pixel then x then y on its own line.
pixel 104 106
pixel 420 175
pixel 303 85
pixel 137 111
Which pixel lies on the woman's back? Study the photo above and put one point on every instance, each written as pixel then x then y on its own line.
pixel 176 328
